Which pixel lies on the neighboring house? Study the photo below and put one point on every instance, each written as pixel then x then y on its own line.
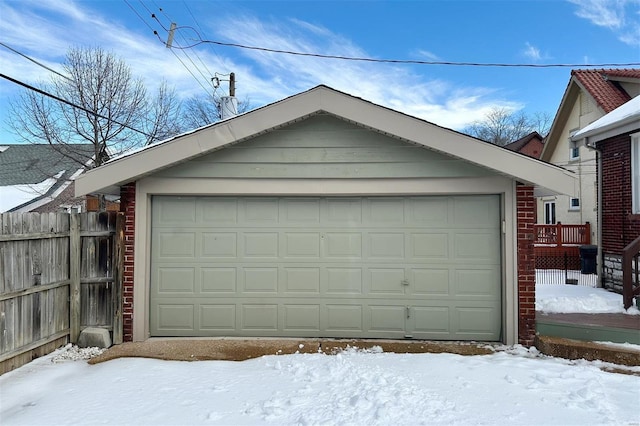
pixel 325 215
pixel 616 136
pixel 589 95
pixel 39 177
pixel 530 145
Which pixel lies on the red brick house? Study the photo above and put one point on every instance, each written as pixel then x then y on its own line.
pixel 325 215
pixel 616 140
pixel 530 145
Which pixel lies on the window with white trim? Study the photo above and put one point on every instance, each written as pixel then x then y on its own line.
pixel 635 172
pixel 574 203
pixel 574 149
pixel 549 212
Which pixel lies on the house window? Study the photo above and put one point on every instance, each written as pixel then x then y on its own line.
pixel 550 213
pixel 635 172
pixel 574 149
pixel 574 203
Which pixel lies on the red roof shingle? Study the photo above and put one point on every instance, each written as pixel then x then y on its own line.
pixel 607 93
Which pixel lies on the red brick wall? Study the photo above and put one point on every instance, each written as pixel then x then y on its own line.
pixel 619 228
pixel 533 148
pixel 128 206
pixel 526 209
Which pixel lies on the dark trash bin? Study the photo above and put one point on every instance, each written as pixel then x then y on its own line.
pixel 588 259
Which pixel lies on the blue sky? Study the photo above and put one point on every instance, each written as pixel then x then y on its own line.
pixel 513 32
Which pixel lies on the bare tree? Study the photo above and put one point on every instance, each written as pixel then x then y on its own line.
pixel 115 114
pixel 501 126
pixel 200 111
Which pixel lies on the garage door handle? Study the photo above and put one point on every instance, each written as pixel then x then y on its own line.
pixel 408 312
pixel 404 282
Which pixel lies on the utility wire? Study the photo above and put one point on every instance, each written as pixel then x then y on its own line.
pixel 400 61
pixel 59 99
pixel 207 79
pixel 34 61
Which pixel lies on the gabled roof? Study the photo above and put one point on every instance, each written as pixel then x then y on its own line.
pixel 603 85
pixel 322 99
pixel 625 118
pixel 32 174
pixel 523 141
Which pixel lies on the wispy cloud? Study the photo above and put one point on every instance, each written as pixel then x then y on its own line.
pixel 432 99
pixel 46 29
pixel 532 52
pixel 620 16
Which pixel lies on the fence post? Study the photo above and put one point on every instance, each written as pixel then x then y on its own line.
pixel 559 234
pixel 74 276
pixel 118 270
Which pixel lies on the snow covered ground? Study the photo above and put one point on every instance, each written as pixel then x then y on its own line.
pixel 513 386
pixel 563 298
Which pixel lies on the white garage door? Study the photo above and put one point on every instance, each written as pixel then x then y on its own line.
pixel 377 267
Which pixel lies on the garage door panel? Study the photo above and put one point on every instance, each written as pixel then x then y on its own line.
pixel 348 267
pixel 259 317
pixel 176 211
pixel 343 317
pixel 172 245
pixel 342 245
pixel 387 281
pixel 431 212
pixel 260 280
pixel 383 212
pixel 477 283
pixel 260 244
pixel 429 246
pixel 219 244
pixel 259 212
pixel 429 282
pixel 219 211
pixel 384 318
pixel 476 246
pixel 434 320
pixel 299 317
pixel 301 280
pixel 175 317
pixel 480 320
pixel 302 245
pixel 218 317
pixel 218 280
pixel 302 211
pixel 176 280
pixel 344 281
pixel 385 246
pixel 343 212
pixel 475 211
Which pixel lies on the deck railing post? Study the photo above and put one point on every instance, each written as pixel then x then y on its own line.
pixel 559 234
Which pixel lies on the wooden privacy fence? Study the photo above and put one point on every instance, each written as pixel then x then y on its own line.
pixel 59 273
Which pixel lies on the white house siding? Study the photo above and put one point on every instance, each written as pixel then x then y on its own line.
pixel 583 113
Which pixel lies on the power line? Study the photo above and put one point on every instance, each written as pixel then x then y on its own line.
pixel 400 61
pixel 206 79
pixel 34 61
pixel 59 99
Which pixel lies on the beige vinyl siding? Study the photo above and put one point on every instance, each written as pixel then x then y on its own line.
pixel 323 146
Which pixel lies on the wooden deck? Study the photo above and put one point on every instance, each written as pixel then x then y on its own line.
pixel 617 328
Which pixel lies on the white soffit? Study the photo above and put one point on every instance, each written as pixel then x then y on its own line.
pixel 322 98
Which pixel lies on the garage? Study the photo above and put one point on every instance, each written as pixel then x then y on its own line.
pixel 324 215
pixel 368 267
